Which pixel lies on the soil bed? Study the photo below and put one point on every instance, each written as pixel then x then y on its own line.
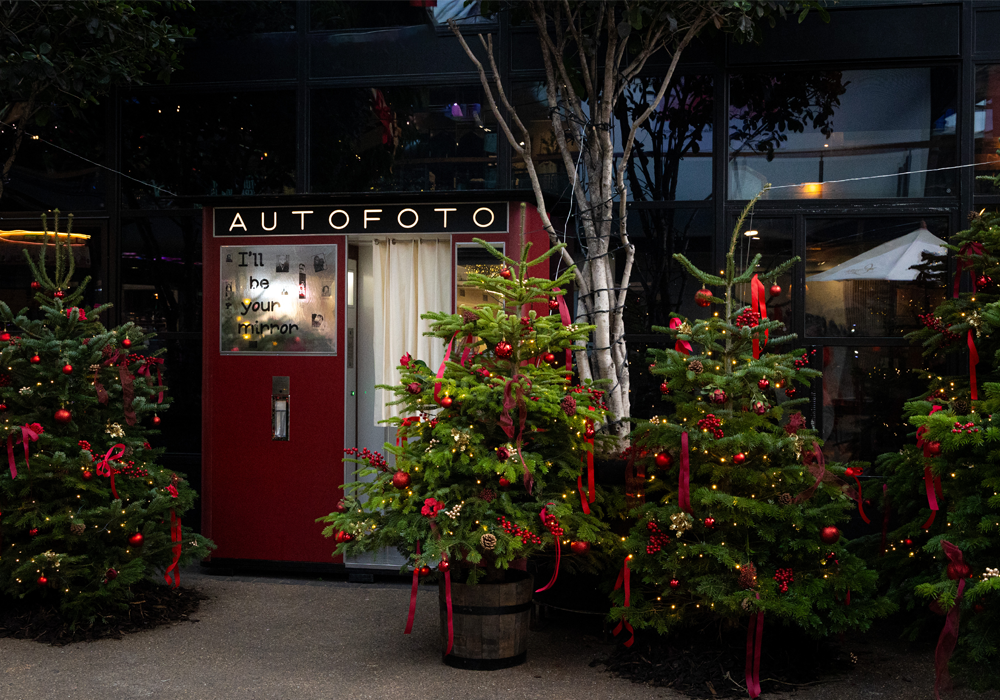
pixel 151 605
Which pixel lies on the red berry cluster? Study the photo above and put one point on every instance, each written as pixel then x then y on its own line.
pixel 130 470
pixel 969 427
pixel 790 392
pixel 554 527
pixel 84 445
pixel 527 536
pixel 526 322
pixel 804 360
pixel 784 577
pixel 747 318
pixel 712 425
pixel 657 539
pixel 596 396
pixel 487 495
pixel 4 379
pixel 373 458
pixel 936 324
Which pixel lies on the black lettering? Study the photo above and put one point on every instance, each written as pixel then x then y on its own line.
pixel 243 258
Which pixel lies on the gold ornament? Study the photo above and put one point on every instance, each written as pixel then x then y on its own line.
pixel 681 522
pixel 115 431
pixel 461 439
pixel 684 328
pixel 991 573
pixel 976 321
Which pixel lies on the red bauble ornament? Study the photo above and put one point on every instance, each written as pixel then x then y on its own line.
pixel 775 290
pixel 664 388
pixel 934 448
pixel 739 458
pixel 663 460
pixel 339 537
pixel 42 581
pixel 59 294
pixel 710 523
pixel 35 359
pixel 87 475
pixel 444 566
pixel 759 408
pixel 553 304
pixel 549 357
pixel 763 384
pixel 136 540
pixel 111 574
pixel 957 571
pixel 413 387
pixel 579 547
pixel 126 343
pixel 33 531
pixel 157 420
pixel 63 416
pixel 703 297
pixel 829 534
pixel 983 281
pixel 3 407
pixel 503 349
pixel 505 272
pixel 909 542
pixel 504 483
pixel 35 286
pixel 400 480
pixel 341 507
pixel 348 537
pixel 447 401
pixel 589 433
pixel 717 396
pixel 674 583
pixel 4 336
pixel 67 369
pixel 424 571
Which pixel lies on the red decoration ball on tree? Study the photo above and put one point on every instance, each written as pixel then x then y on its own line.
pixel 553 304
pixel 444 566
pixel 703 297
pixel 663 460
pixel 35 286
pixel 424 571
pixel 829 534
pixel 710 523
pixel 934 448
pixel 447 401
pixel 909 542
pixel 674 583
pixel 33 531
pixel 59 294
pixel 664 388
pixel 579 547
pixel 503 349
pixel 67 369
pixel 717 396
pixel 42 581
pixel 984 281
pixel 157 420
pixel 549 357
pixel 4 337
pixel 505 272
pixel 504 482
pixel 87 475
pixel 136 540
pixel 739 458
pixel 126 343
pixel 763 384
pixel 35 359
pixel 775 290
pixel 111 574
pixel 413 387
pixel 63 416
pixel 400 480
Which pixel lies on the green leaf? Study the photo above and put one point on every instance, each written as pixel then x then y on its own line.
pixel 44 48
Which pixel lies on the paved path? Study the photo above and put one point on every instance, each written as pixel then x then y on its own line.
pixel 264 638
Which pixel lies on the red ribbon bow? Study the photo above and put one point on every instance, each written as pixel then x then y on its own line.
pixel 104 466
pixel 623 579
pixel 856 472
pixel 757 296
pixel 29 433
pixel 555 574
pixel 932 483
pixel 949 634
pixel 681 346
pixel 173 573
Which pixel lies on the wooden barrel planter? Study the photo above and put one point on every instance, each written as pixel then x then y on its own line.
pixel 490 623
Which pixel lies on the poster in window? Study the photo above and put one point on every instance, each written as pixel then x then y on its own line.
pixel 278 299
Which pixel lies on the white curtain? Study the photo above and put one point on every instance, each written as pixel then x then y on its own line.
pixel 412 277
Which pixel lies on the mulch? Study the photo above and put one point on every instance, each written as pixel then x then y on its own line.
pixel 710 663
pixel 152 605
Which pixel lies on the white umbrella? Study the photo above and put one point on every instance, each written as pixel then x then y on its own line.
pixel 894 260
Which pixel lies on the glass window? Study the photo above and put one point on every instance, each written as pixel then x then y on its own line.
pixel 207 144
pixel 532 106
pixel 56 166
pixel 873 276
pixel 338 16
pixel 810 128
pixel 772 239
pixel 987 127
pixel 474 258
pixel 402 139
pixel 672 156
pixel 161 273
pixel 864 390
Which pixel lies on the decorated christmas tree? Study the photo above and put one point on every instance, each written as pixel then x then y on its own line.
pixel 943 485
pixel 494 456
pixel 86 513
pixel 736 513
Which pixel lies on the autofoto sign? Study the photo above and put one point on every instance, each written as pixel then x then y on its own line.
pixel 360 219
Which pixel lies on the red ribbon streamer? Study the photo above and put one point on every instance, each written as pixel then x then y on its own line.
pixel 964 263
pixel 755 633
pixel 973 361
pixel 623 579
pixel 507 424
pixel 681 346
pixel 885 522
pixel 949 634
pixel 591 488
pixel 555 574
pixel 861 508
pixel 413 597
pixel 176 536
pixel 144 372
pixel 757 296
pixel 583 496
pixel 440 372
pixel 566 321
pixel 104 467
pixel 29 433
pixel 818 470
pixel 447 604
pixel 684 477
pixel 932 483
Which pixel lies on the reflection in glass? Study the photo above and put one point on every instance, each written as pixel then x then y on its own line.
pixel 532 106
pixel 873 276
pixel 672 155
pixel 987 128
pixel 864 390
pixel 161 273
pixel 402 138
pixel 809 128
pixel 207 144
pixel 772 239
pixel 339 16
pixel 474 258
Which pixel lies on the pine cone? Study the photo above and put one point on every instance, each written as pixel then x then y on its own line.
pixel 488 541
pixel 745 604
pixel 77 529
pixel 568 405
pixel 748 576
pixel 696 366
pixel 961 407
pixel 469 316
pixel 785 499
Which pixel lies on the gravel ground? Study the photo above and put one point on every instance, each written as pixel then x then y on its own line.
pixel 260 638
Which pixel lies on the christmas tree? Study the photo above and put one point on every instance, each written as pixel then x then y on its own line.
pixel 943 485
pixel 86 512
pixel 494 448
pixel 738 514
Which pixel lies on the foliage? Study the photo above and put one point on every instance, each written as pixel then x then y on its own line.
pixel 501 435
pixel 958 447
pixel 65 526
pixel 760 496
